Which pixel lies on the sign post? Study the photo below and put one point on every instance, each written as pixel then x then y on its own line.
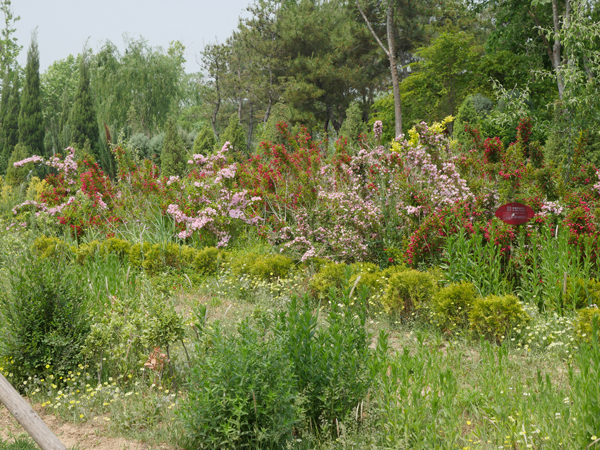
pixel 27 417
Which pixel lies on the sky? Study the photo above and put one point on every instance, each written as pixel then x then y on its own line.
pixel 64 25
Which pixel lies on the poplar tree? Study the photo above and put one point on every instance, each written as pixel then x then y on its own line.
pixel 82 118
pixel 31 120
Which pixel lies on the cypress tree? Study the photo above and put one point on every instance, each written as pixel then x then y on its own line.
pixel 205 142
pixel 10 124
pixel 5 96
pixel 172 158
pixel 82 118
pixel 31 120
pixel 353 126
pixel 17 175
pixel 235 135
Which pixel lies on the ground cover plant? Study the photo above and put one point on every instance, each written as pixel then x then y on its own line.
pixel 301 298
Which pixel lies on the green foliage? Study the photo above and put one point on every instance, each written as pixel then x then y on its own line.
pixel 82 117
pixel 47 247
pixel 263 267
pixel 408 291
pixel 242 392
pixel 584 322
pixel 31 120
pixel 17 175
pixel 584 387
pixel 331 275
pixel 205 142
pixel 20 443
pixel 10 124
pixel 494 316
pixel 353 125
pixel 235 135
pixel 43 317
pixel 582 293
pixel 208 260
pixel 279 113
pixel 122 336
pixel 453 303
pixel 466 116
pixel 172 159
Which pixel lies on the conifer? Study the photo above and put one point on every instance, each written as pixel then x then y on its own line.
pixel 172 158
pixel 82 118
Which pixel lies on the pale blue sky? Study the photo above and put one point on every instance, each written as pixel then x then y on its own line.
pixel 64 25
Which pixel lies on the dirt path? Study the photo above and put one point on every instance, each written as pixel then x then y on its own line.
pixel 82 437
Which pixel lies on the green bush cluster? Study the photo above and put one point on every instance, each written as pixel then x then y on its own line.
pixel 495 316
pixel 267 267
pixel 408 291
pixel 252 389
pixel 452 304
pixel 341 276
pixel 151 257
pixel 582 293
pixel 584 322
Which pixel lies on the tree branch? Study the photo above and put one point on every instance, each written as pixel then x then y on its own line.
pixel 372 31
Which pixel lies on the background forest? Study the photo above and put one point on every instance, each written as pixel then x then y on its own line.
pixel 321 64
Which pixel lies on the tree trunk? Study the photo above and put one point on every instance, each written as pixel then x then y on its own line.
pixel 394 68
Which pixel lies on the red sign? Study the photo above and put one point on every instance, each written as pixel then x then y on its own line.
pixel 515 213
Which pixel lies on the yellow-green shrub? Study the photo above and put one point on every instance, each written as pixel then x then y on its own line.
pixel 582 292
pixel 453 303
pixel 263 267
pixel 84 251
pixel 495 316
pixel 330 275
pixel 47 247
pixel 409 290
pixel 583 324
pixel 208 259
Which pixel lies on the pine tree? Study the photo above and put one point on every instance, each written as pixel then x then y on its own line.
pixel 82 118
pixel 205 142
pixel 172 158
pixel 31 120
pixel 10 124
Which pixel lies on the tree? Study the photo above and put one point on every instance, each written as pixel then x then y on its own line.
pixel 353 126
pixel 31 120
pixel 214 63
pixel 235 135
pixel 172 158
pixel 205 142
pixel 82 118
pixel 403 32
pixel 17 175
pixel 10 125
pixel 9 49
pixel 147 78
pixel 5 96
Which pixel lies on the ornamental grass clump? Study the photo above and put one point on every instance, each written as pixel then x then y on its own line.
pixel 494 317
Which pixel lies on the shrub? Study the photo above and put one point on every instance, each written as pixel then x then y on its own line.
pixel 409 290
pixel 46 247
pixel 495 316
pixel 207 260
pixel 583 324
pixel 43 318
pixel 241 392
pixel 582 293
pixel 263 267
pixel 329 362
pixel 121 338
pixel 329 276
pixel 453 303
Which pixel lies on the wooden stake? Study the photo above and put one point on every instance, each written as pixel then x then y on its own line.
pixel 27 417
pixel 565 285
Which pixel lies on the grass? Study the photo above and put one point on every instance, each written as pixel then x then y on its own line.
pixel 430 389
